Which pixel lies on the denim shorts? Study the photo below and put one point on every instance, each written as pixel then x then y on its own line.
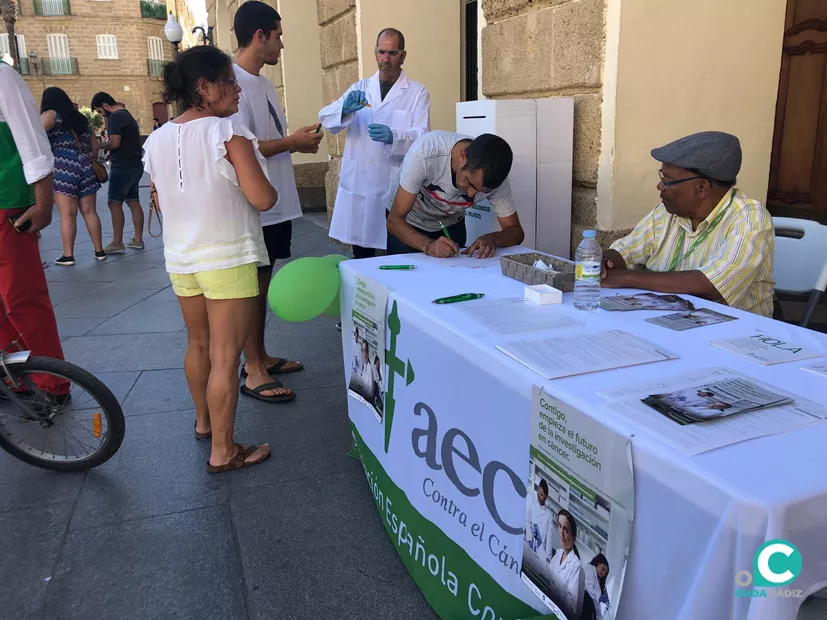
pixel 123 184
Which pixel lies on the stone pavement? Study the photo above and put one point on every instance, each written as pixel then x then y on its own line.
pixel 150 535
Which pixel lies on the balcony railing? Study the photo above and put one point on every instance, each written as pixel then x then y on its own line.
pixel 60 66
pixel 155 68
pixel 153 10
pixel 52 7
pixel 23 69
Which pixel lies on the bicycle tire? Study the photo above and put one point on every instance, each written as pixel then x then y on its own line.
pixel 94 386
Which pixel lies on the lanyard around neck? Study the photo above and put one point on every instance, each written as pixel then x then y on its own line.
pixel 678 258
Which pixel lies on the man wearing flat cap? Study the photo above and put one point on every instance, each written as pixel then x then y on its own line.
pixel 706 238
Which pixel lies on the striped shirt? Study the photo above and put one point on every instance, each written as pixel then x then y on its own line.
pixel 736 256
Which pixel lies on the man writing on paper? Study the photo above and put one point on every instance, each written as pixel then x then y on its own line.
pixel 383 115
pixel 706 238
pixel 444 173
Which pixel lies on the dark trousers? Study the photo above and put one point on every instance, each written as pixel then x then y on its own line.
pixel 360 252
pixel 457 232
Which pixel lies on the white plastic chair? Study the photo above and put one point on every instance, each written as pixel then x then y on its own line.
pixel 800 260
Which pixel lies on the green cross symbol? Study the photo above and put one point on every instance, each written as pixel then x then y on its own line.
pixel 397 367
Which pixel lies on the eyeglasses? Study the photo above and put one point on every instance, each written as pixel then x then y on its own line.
pixel 669 183
pixel 390 53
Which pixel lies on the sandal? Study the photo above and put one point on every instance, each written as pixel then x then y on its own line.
pixel 202 436
pixel 278 368
pixel 273 385
pixel 239 460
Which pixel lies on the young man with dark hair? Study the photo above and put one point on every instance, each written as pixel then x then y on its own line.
pixel 443 174
pixel 125 154
pixel 257 28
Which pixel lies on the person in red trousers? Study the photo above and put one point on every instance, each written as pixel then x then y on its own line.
pixel 26 166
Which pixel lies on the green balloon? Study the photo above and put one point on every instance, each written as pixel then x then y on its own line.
pixel 303 289
pixel 335 258
pixel 333 308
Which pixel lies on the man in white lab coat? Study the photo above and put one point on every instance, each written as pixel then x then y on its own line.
pixel 538 524
pixel 383 114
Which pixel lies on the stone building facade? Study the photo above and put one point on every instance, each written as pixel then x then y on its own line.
pixel 641 74
pixel 85 46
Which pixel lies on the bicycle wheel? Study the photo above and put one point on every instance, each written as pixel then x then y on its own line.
pixel 67 433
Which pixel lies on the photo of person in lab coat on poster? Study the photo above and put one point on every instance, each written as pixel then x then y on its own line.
pixel 383 114
pixel 563 556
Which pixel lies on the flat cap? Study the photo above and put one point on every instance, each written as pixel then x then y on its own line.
pixel 712 153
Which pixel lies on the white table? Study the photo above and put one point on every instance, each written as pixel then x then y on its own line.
pixel 698 520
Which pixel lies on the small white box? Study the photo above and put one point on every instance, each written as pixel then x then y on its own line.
pixel 543 294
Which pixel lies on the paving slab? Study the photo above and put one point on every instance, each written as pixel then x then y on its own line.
pixel 183 566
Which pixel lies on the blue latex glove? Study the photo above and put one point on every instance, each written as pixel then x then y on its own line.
pixel 380 133
pixel 355 101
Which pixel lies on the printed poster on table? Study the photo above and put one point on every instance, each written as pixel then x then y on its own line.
pixel 579 511
pixel 367 327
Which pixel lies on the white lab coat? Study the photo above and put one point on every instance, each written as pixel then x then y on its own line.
pixel 593 588
pixel 370 170
pixel 538 527
pixel 568 583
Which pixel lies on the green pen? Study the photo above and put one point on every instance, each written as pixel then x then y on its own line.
pixel 445 230
pixel 458 298
pixel 398 267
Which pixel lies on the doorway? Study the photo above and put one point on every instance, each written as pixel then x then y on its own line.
pixel 471 49
pixel 160 111
pixel 798 169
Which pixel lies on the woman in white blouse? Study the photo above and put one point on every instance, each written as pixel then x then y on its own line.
pixel 211 184
pixel 566 574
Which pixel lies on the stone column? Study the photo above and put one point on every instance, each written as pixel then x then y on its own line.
pixel 553 48
pixel 340 69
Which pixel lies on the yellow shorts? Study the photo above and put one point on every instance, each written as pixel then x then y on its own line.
pixel 233 283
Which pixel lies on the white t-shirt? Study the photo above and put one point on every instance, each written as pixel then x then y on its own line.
pixel 208 222
pixel 254 114
pixel 427 173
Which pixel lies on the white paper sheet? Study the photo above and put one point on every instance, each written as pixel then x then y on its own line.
pixel 702 437
pixel 819 369
pixel 765 349
pixel 554 358
pixel 517 315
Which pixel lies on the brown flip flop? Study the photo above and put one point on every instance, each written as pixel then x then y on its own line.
pixel 238 461
pixel 202 436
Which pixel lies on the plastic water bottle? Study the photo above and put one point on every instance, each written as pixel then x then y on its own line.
pixel 588 257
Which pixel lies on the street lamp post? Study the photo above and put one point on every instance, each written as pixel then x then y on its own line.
pixel 206 35
pixel 174 34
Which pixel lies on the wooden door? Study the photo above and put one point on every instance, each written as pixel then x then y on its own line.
pixel 798 172
pixel 159 111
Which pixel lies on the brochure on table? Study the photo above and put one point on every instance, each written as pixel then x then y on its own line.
pixel 692 436
pixel 367 325
pixel 692 319
pixel 579 511
pixel 644 301
pixel 765 349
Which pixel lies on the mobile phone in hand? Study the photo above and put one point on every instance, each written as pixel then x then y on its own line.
pixel 23 227
pixel 319 128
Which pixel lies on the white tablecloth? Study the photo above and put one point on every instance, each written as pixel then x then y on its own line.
pixel 698 520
